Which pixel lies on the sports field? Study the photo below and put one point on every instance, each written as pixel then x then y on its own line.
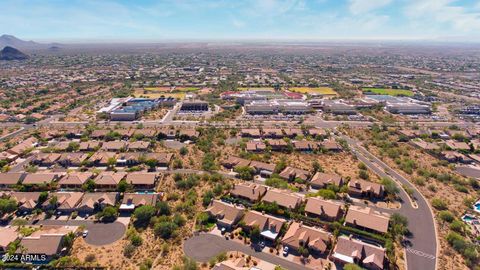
pixel 255 88
pixel 169 89
pixel 158 89
pixel 389 92
pixel 157 94
pixel 314 90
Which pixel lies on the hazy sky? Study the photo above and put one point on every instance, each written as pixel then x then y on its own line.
pixel 149 20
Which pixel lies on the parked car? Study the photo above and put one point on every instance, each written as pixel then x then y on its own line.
pixel 262 244
pixel 285 251
pixel 85 233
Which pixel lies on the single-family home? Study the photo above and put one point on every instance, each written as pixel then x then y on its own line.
pixel 321 180
pixel 269 226
pixel 291 173
pixel 9 180
pixel 75 180
pixel 133 200
pixel 255 146
pixel 367 218
pixel 109 180
pixel 282 198
pixel 324 209
pixel 7 235
pixel 41 178
pixel 46 159
pixel 272 133
pixel 114 146
pixel 250 133
pixel 316 240
pixel 138 146
pixel 350 250
pixel 227 215
pixel 277 144
pixel 93 202
pixel 142 180
pixel 89 145
pixel 248 191
pixel 305 146
pixel 66 202
pixel 26 201
pixel 362 188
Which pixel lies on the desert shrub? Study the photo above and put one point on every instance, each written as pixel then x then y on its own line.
pixel 439 204
pixel 446 216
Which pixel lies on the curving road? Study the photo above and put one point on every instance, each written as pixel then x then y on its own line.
pixel 422 250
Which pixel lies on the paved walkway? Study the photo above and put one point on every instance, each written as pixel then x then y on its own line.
pixel 203 247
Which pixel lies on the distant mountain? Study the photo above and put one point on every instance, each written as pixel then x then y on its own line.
pixel 9 40
pixel 10 53
pixel 12 41
pixel 54 48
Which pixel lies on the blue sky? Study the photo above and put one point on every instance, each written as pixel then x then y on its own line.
pixel 149 20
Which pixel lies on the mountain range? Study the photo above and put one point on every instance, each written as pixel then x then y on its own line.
pixel 12 41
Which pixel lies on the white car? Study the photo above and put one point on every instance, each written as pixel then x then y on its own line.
pixel 85 233
pixel 285 251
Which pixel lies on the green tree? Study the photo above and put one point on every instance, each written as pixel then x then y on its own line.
pixel 164 229
pixel 163 208
pixel 143 214
pixel 351 266
pixel 255 234
pixel 245 172
pixel 327 194
pixel 151 163
pixel 183 151
pixel 439 204
pixel 89 185
pixel 108 214
pixel 399 224
pixel 7 206
pixel 363 174
pixel 111 162
pixel 208 162
pixel 207 198
pixel 446 216
pixel 317 167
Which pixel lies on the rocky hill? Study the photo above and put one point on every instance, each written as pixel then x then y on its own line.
pixel 10 53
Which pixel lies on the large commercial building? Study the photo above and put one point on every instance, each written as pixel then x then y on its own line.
pixel 245 97
pixel 129 109
pixel 277 106
pixel 408 108
pixel 194 105
pixel 402 105
pixel 339 108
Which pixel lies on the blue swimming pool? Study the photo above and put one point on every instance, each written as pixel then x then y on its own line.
pixel 477 207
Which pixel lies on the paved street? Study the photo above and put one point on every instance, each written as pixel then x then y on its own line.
pixel 422 252
pixel 205 246
pixel 99 234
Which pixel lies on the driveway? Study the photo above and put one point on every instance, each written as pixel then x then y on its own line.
pixel 203 247
pixel 99 234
